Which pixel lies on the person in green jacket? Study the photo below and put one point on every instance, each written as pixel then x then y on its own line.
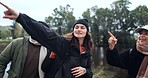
pixel 25 56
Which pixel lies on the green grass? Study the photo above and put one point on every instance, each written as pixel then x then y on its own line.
pixel 109 72
pixel 5 40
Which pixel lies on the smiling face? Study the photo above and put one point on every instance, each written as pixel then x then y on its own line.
pixel 143 37
pixel 80 31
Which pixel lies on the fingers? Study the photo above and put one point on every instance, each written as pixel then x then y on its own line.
pixel 112 40
pixel 78 71
pixel 4 5
pixel 10 13
pixel 111 35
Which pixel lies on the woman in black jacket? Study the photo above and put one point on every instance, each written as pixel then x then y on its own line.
pixel 73 52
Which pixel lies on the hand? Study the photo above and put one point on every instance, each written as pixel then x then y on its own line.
pixel 78 71
pixel 112 41
pixel 10 13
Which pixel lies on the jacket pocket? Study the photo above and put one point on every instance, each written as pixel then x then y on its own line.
pixel 11 74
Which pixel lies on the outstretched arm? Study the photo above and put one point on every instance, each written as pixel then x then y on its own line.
pixel 38 31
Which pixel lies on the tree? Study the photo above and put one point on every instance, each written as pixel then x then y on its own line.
pixel 62 18
pixel 18 30
pixel 122 20
pixel 102 22
pixel 140 15
pixel 5 34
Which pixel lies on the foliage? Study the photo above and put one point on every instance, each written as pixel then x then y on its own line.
pixel 109 72
pixel 5 34
pixel 140 14
pixel 118 19
pixel 11 32
pixel 18 30
pixel 62 18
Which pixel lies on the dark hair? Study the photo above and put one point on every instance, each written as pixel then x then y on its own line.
pixel 88 42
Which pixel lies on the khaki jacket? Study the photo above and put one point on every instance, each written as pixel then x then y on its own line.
pixel 15 53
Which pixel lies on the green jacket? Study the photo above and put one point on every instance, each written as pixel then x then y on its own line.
pixel 15 53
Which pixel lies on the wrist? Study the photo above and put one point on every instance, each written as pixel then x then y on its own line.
pixel 111 47
pixel 84 71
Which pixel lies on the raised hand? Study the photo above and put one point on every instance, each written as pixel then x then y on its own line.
pixel 10 13
pixel 112 41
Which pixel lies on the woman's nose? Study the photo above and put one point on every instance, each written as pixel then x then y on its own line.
pixel 79 29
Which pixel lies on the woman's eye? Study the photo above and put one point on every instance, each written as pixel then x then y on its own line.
pixel 76 27
pixel 82 27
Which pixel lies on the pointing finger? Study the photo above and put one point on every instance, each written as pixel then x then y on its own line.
pixel 111 35
pixel 4 5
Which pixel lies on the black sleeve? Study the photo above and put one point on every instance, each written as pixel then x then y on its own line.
pixel 47 63
pixel 89 73
pixel 43 35
pixel 118 60
pixel 50 66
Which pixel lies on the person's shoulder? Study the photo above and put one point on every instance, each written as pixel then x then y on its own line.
pixel 17 40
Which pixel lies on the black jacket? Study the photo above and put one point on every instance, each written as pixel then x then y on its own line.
pixel 129 60
pixel 69 55
pixel 51 65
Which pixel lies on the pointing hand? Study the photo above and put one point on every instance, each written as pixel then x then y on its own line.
pixel 112 40
pixel 10 13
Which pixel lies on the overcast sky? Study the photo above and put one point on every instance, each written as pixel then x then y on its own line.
pixel 39 9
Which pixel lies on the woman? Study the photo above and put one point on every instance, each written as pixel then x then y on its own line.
pixel 73 51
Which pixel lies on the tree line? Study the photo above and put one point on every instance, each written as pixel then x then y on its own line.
pixel 118 19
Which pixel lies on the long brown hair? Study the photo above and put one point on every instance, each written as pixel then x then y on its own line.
pixel 87 43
